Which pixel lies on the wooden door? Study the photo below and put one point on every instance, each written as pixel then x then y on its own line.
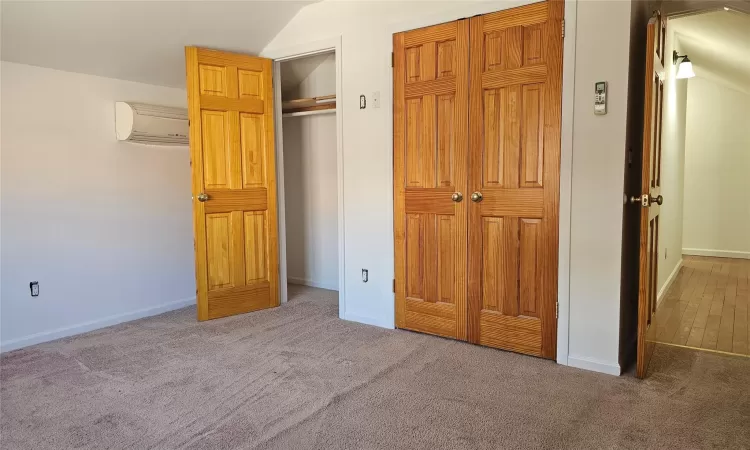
pixel 430 171
pixel 650 198
pixel 230 105
pixel 515 109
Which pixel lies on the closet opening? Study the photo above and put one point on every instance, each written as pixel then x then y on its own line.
pixel 309 182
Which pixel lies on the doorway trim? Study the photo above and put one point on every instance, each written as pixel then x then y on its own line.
pixel 286 54
pixel 566 139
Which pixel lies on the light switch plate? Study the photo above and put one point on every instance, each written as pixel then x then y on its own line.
pixel 376 99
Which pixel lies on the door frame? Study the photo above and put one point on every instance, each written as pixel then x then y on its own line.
pixel 286 54
pixel 566 139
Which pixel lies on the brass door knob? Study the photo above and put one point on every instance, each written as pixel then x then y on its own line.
pixel 202 197
pixel 658 200
pixel 476 197
pixel 457 197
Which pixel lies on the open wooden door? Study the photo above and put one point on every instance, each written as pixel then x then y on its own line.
pixel 650 198
pixel 230 105
pixel 431 83
pixel 515 113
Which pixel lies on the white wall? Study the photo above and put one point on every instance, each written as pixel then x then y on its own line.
pixel 105 227
pixel 602 47
pixel 320 81
pixel 310 189
pixel 672 169
pixel 599 146
pixel 717 171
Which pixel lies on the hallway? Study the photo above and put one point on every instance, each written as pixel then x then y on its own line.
pixel 707 306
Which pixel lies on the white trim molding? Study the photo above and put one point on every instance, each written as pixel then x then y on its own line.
pixel 715 253
pixel 368 321
pixel 594 365
pixel 668 283
pixel 92 325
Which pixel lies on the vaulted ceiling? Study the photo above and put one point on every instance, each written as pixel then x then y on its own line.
pixel 718 44
pixel 135 40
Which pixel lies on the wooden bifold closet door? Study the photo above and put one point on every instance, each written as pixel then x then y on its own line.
pixel 477 106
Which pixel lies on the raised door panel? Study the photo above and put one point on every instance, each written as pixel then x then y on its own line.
pixel 232 159
pixel 250 84
pixel 516 78
pixel 256 247
pixel 217 147
pixel 213 80
pixel 430 164
pixel 532 141
pixel 252 142
pixel 219 246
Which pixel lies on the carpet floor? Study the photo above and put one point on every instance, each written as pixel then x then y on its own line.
pixel 297 377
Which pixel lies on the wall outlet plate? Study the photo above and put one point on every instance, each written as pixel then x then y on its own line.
pixel 34 286
pixel 600 98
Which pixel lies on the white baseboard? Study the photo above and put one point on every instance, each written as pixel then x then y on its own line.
pixel 668 283
pixel 46 336
pixel 312 283
pixel 368 320
pixel 594 365
pixel 715 253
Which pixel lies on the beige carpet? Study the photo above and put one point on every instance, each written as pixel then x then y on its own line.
pixel 297 377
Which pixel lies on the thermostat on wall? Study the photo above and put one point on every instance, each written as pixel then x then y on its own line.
pixel 600 98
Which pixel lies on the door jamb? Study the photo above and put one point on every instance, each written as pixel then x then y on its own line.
pixel 566 139
pixel 286 54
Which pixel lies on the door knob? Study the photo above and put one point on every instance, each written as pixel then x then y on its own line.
pixel 457 197
pixel 646 200
pixel 634 200
pixel 476 197
pixel 202 197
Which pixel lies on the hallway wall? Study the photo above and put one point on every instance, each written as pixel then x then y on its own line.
pixel 717 171
pixel 672 170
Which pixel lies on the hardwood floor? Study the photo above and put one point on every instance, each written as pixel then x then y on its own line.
pixel 707 306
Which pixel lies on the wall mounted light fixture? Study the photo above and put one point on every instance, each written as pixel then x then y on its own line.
pixel 685 67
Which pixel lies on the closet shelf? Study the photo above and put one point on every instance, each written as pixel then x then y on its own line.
pixel 321 103
pixel 309 113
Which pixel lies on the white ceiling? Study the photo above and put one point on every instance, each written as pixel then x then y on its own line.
pixel 718 44
pixel 135 40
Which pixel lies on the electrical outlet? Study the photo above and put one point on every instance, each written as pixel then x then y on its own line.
pixel 365 276
pixel 34 286
pixel 362 102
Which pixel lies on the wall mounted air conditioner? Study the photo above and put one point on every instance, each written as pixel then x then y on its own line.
pixel 151 124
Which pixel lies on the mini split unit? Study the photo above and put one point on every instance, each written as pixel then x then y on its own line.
pixel 151 124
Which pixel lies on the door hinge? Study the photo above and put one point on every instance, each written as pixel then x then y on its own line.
pixel 563 28
pixel 394 285
pixel 557 310
pixel 393 59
